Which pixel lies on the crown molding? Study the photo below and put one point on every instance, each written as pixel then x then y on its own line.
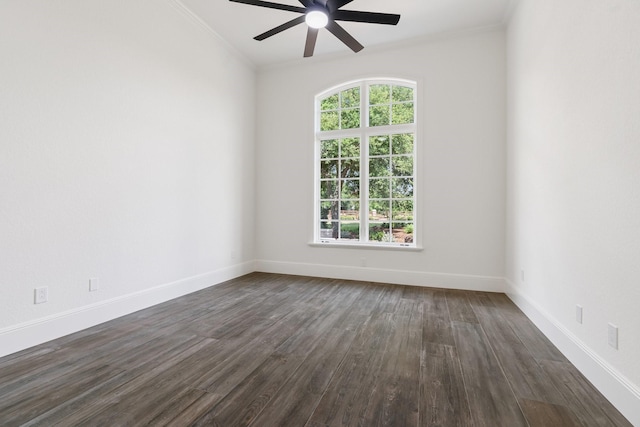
pixel 192 17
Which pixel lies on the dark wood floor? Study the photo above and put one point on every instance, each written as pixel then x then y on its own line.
pixel 270 350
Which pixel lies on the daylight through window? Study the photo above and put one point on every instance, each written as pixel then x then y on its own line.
pixel 365 164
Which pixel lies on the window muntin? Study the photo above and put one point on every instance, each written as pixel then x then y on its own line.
pixel 366 148
pixel 340 188
pixel 391 188
pixel 391 105
pixel 341 110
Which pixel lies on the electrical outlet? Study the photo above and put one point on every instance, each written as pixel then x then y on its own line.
pixel 613 336
pixel 94 284
pixel 579 313
pixel 41 295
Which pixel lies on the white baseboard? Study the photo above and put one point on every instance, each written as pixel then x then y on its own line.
pixel 380 275
pixel 19 337
pixel 620 391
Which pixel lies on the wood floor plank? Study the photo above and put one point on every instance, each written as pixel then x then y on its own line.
pixel 23 407
pixel 24 357
pixel 535 341
pixel 136 380
pixel 90 401
pixel 443 399
pixel 491 400
pixel 304 389
pixel 224 362
pixel 223 377
pixel 391 297
pixel 526 377
pixel 152 401
pixel 459 307
pixel 397 387
pixel 347 397
pixel 589 406
pixel 189 415
pixel 260 385
pixel 542 414
pixel 436 320
pixel 270 349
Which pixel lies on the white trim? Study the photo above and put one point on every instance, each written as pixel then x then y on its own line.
pixel 19 337
pixel 383 275
pixel 618 389
pixel 377 247
pixel 363 133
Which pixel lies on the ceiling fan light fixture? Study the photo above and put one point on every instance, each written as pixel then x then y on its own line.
pixel 316 19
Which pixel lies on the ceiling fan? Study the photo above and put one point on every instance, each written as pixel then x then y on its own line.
pixel 323 14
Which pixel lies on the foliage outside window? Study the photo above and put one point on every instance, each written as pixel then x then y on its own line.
pixel 366 139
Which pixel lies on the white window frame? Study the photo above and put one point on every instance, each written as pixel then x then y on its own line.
pixel 363 133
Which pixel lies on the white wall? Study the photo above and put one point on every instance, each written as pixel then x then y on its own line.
pixel 573 179
pixel 126 153
pixel 461 163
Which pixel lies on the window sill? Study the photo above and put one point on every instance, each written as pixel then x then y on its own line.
pixel 366 246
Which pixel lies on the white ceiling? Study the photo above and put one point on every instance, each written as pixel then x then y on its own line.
pixel 238 23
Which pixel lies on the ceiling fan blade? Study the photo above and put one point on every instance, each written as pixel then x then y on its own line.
pixel 344 37
pixel 368 17
pixel 337 4
pixel 309 47
pixel 280 28
pixel 271 5
pixel 307 3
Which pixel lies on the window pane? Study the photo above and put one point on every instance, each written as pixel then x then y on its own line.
pixel 330 103
pixel 350 118
pixel 350 98
pixel 329 120
pixel 403 143
pixel 379 145
pixel 402 113
pixel 402 165
pixel 329 149
pixel 380 232
pixel 329 189
pixel 350 211
pixel 379 210
pixel 402 94
pixel 379 116
pixel 404 233
pixel 403 210
pixel 350 168
pixel 350 147
pixel 350 231
pixel 379 188
pixel 328 210
pixel 379 166
pixel 329 230
pixel 379 94
pixel 329 169
pixel 351 189
pixel 402 188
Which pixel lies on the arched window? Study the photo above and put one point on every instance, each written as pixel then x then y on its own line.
pixel 365 163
